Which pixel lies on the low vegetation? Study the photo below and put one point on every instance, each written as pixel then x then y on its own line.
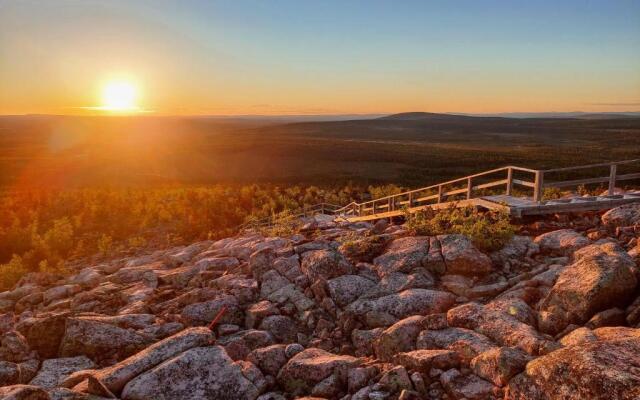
pixel 46 230
pixel 488 230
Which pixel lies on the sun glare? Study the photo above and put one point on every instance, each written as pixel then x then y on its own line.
pixel 119 96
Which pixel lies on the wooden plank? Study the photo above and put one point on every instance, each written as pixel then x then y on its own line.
pixel 627 177
pixel 524 183
pixel 491 184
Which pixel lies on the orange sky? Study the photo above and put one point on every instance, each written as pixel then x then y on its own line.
pixel 251 57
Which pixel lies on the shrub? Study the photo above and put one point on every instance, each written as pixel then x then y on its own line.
pixel 359 247
pixel 487 230
pixel 11 272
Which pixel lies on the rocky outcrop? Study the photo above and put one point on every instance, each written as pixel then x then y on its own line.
pixel 396 317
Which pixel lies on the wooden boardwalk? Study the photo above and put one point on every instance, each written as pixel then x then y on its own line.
pixel 482 190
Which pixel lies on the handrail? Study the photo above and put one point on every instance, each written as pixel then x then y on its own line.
pixel 390 201
pixel 592 165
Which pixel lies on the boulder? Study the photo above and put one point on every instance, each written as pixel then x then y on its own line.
pixel 324 264
pixel 201 314
pixel 500 327
pixel 402 255
pixel 423 360
pixel 116 376
pixel 562 242
pixel 9 373
pixel 626 215
pixel 518 247
pixel 403 304
pixel 604 369
pixel 44 333
pixel 102 342
pixel 269 359
pixel 498 365
pixel 467 343
pixel 462 258
pixel 347 288
pixel 54 371
pixel 309 367
pixel 197 374
pixel 23 392
pixel 399 337
pixel 281 327
pixel 468 387
pixel 602 277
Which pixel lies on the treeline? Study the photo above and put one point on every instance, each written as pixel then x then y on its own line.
pixel 45 230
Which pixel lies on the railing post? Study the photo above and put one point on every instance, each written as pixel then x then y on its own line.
pixel 469 188
pixel 537 188
pixel 410 199
pixel 392 204
pixel 359 210
pixel 612 179
pixel 509 181
pixel 439 194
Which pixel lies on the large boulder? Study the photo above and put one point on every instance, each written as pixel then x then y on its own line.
pixel 44 333
pixel 54 371
pixel 462 258
pixel 201 314
pixel 347 288
pixel 197 374
pixel 403 255
pixel 116 376
pixel 562 242
pixel 325 264
pixel 626 215
pixel 102 342
pixel 467 343
pixel 601 278
pixel 311 366
pixel 596 370
pixel 502 328
pixel 401 305
pixel 23 392
pixel 399 337
pixel 498 365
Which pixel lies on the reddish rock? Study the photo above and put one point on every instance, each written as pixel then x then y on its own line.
pixel 561 242
pixel 498 365
pixel 399 337
pixel 424 360
pixel 596 370
pixel 402 255
pixel 325 264
pixel 462 258
pixel 602 277
pixel 306 369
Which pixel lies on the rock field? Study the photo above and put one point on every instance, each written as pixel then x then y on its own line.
pixel 555 314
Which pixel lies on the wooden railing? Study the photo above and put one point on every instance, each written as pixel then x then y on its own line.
pixel 461 188
pixel 467 188
pixel 612 178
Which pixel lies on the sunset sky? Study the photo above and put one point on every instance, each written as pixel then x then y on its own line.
pixel 318 57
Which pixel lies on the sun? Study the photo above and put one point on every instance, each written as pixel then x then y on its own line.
pixel 119 96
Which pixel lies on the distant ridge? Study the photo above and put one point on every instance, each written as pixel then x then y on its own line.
pixel 423 116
